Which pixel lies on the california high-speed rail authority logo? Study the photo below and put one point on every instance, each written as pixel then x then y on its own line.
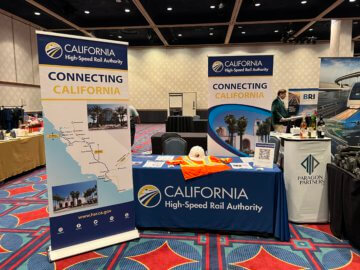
pixel 310 163
pixel 53 50
pixel 149 196
pixel 217 66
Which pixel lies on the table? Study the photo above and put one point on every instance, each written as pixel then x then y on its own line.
pixel 344 204
pixel 191 138
pixel 21 154
pixel 305 177
pixel 233 200
pixel 179 124
pixel 200 125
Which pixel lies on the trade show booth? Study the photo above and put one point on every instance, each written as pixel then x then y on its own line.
pixel 191 135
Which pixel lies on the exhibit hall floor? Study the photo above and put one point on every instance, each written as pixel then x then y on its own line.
pixel 24 238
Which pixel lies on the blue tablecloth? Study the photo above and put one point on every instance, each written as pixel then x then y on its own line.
pixel 234 200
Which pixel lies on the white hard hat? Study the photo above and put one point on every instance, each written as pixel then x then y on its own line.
pixel 197 153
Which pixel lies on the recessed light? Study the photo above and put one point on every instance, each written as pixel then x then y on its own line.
pixel 276 31
pixel 239 27
pixel 37 13
pixel 352 1
pixel 212 7
pixel 179 35
pixel 119 36
pixel 243 32
pixel 169 9
pixel 257 4
pixel 211 34
pixel 86 12
pixel 311 29
pixel 356 22
pixel 127 10
pixel 303 2
pixel 211 28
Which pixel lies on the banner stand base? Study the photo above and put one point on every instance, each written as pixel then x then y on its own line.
pixel 61 253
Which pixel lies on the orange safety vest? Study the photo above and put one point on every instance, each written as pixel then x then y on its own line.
pixel 191 168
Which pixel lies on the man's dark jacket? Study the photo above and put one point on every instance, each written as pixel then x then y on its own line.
pixel 278 111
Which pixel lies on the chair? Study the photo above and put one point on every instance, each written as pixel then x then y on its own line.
pixel 168 135
pixel 174 146
pixel 276 141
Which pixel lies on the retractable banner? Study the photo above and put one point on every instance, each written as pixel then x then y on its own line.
pixel 303 101
pixel 84 90
pixel 240 97
pixel 339 100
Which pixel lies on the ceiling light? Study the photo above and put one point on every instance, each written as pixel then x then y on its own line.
pixel 211 28
pixel 303 2
pixel 239 27
pixel 119 36
pixel 276 31
pixel 86 12
pixel 37 13
pixel 311 29
pixel 243 32
pixel 127 10
pixel 212 7
pixel 211 34
pixel 356 22
pixel 169 9
pixel 352 1
pixel 179 35
pixel 257 4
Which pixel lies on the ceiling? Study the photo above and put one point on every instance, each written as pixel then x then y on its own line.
pixel 191 22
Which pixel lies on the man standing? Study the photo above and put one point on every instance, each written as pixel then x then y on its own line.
pixel 279 111
pixel 134 119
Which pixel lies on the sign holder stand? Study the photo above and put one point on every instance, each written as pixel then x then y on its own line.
pixel 62 253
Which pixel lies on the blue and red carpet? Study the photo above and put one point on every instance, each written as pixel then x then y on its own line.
pixel 24 238
pixel 143 134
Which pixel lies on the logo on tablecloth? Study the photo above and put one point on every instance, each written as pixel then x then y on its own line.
pixel 53 50
pixel 149 196
pixel 310 164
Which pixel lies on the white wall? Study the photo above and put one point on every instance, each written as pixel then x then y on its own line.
pixel 153 73
pixel 18 64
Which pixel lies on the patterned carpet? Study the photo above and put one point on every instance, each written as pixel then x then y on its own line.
pixel 24 238
pixel 143 136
